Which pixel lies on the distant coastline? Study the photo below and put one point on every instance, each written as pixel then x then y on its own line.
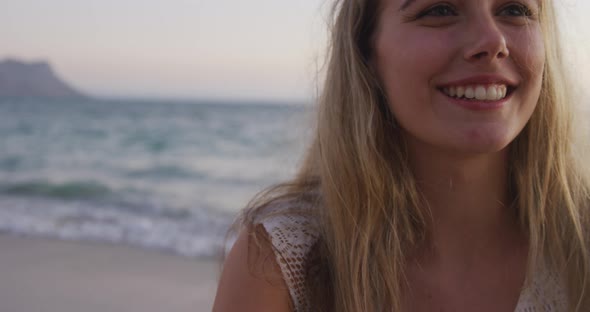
pixel 33 79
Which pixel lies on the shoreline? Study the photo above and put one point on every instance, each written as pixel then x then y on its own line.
pixel 51 275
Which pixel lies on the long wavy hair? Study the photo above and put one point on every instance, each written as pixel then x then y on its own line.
pixel 356 183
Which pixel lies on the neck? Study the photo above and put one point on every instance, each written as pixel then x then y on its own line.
pixel 467 197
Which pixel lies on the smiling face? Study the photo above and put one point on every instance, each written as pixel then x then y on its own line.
pixel 463 76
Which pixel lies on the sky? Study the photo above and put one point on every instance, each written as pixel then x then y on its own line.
pixel 194 49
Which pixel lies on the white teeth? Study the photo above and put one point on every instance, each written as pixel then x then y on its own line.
pixel 493 93
pixel 469 93
pixel 460 91
pixel 478 92
pixel 481 93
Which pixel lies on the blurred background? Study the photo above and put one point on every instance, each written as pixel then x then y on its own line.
pixel 132 133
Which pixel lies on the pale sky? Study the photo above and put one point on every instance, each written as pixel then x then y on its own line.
pixel 219 49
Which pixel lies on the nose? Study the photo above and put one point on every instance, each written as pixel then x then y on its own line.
pixel 486 42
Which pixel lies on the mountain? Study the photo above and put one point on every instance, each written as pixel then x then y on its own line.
pixel 36 79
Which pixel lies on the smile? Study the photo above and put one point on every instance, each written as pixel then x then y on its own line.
pixel 493 92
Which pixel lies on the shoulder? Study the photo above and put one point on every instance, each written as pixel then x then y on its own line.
pixel 266 268
pixel 544 290
pixel 293 231
pixel 251 279
pixel 292 224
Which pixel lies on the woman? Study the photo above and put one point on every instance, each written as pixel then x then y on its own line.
pixel 441 177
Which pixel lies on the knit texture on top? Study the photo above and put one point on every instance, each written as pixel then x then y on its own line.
pixel 293 236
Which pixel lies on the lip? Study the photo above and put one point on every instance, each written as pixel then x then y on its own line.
pixel 477 105
pixel 481 80
pixel 486 80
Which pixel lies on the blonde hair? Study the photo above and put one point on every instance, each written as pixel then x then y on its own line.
pixel 362 193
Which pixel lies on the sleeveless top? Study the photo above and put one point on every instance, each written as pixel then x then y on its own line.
pixel 293 236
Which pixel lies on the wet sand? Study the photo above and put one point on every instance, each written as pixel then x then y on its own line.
pixel 38 274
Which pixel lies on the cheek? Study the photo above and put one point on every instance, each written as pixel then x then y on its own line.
pixel 528 52
pixel 422 50
pixel 407 60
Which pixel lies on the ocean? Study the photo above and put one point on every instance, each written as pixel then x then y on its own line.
pixel 162 175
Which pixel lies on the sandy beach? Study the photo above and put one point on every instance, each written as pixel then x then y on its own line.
pixel 38 274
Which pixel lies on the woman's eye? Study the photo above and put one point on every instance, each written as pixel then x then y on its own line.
pixel 517 10
pixel 438 11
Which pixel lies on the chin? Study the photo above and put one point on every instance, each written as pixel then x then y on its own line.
pixel 484 143
pixel 479 149
pixel 468 139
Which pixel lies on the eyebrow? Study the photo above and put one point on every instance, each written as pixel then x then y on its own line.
pixel 406 4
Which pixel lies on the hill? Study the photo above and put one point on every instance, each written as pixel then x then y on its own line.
pixel 36 79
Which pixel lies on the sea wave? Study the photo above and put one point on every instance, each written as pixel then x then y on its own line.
pixel 194 234
pixel 166 171
pixel 10 163
pixel 155 174
pixel 68 190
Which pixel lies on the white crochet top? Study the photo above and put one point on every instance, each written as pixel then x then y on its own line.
pixel 293 236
